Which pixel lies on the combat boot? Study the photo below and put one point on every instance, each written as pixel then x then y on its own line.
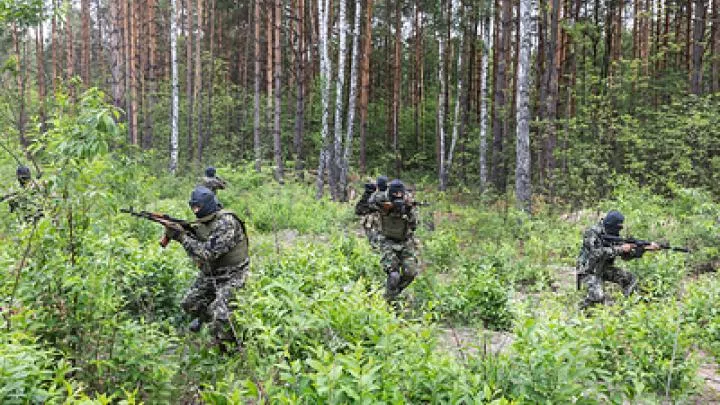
pixel 195 325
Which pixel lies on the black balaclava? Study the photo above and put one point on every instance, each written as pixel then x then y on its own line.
pixel 205 199
pixel 396 186
pixel 382 183
pixel 23 175
pixel 210 171
pixel 613 222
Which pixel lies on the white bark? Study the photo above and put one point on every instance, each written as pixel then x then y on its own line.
pixel 339 87
pixel 483 101
pixel 441 107
pixel 458 103
pixel 522 171
pixel 175 104
pixel 351 100
pixel 325 73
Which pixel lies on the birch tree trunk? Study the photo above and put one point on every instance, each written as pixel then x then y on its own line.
pixel 256 110
pixel 336 155
pixel 441 106
pixel 458 106
pixel 483 100
pixel 175 104
pixel 279 170
pixel 325 73
pixel 522 170
pixel 189 85
pixel 355 59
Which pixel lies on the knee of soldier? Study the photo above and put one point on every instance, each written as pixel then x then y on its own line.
pixel 393 277
pixel 596 295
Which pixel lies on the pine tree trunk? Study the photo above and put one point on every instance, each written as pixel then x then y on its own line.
pixel 150 72
pixel 69 43
pixel 133 61
pixel 279 169
pixel 499 105
pixel 55 43
pixel 116 54
pixel 522 171
pixel 189 85
pixel 396 90
pixel 336 155
pixel 300 96
pixel 698 49
pixel 365 84
pixel 40 60
pixel 715 51
pixel 325 75
pixel 199 80
pixel 269 70
pixel 211 75
pixel 418 67
pixel 355 60
pixel 174 74
pixel 256 111
pixel 85 55
pixel 550 135
pixel 483 101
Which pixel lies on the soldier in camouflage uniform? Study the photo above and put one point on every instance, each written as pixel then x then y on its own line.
pixel 219 246
pixel 211 181
pixel 398 219
pixel 26 200
pixel 596 261
pixel 371 218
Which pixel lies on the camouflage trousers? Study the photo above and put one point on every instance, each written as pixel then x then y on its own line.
pixel 400 264
pixel 594 283
pixel 211 298
pixel 371 225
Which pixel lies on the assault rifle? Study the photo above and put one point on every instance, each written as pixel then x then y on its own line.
pixel 162 219
pixel 387 206
pixel 8 195
pixel 617 240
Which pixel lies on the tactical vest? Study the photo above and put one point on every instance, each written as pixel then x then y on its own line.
pixel 394 226
pixel 237 255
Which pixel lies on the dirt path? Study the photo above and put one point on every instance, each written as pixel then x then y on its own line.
pixel 464 341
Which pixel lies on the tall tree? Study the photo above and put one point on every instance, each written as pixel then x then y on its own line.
pixel 116 54
pixel 446 163
pixel 336 154
pixel 69 43
pixel 189 76
pixel 55 45
pixel 325 74
pixel 355 60
pixel 300 92
pixel 256 111
pixel 397 75
pixel 40 60
pixel 365 83
pixel 85 54
pixel 715 51
pixel 487 21
pixel 697 48
pixel 522 170
pixel 441 101
pixel 150 70
pixel 497 173
pixel 175 104
pixel 197 96
pixel 279 170
pixel 550 108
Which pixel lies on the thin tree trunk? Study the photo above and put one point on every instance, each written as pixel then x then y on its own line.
pixel 418 67
pixel 355 60
pixel 552 92
pixel 55 44
pixel 69 42
pixel 336 155
pixel 325 74
pixel 499 104
pixel 197 96
pixel 483 101
pixel 134 79
pixel 256 111
pixel 189 85
pixel 300 102
pixel 40 59
pixel 211 75
pixel 715 51
pixel 441 107
pixel 85 55
pixel 279 169
pixel 459 95
pixel 21 80
pixel 396 90
pixel 365 84
pixel 175 103
pixel 150 72
pixel 269 70
pixel 698 49
pixel 116 54
pixel 522 171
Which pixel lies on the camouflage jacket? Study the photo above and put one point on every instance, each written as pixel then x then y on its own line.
pixel 223 250
pixel 595 256
pixel 213 183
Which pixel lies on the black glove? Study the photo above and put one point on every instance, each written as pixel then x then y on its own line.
pixel 173 232
pixel 370 188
